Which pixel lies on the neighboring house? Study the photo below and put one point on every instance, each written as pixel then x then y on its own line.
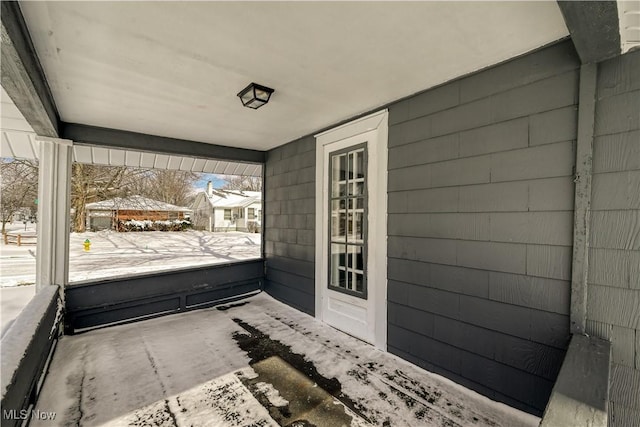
pixel 107 213
pixel 227 210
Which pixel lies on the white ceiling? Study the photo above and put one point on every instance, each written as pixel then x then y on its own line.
pixel 174 68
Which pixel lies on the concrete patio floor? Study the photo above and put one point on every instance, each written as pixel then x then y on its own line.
pixel 253 363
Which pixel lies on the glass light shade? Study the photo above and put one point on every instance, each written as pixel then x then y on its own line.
pixel 255 96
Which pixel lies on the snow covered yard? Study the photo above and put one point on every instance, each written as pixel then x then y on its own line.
pixel 119 254
pixel 13 299
pixel 260 363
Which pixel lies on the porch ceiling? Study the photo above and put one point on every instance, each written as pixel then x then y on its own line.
pixel 18 140
pixel 173 69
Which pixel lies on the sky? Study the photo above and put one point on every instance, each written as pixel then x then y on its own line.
pixel 217 181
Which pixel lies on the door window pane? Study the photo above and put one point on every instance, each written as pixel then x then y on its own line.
pixel 338 266
pixel 348 217
pixel 338 176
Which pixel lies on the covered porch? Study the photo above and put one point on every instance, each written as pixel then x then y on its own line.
pixel 451 184
pixel 263 364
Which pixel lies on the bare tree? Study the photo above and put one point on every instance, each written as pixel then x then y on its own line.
pixel 92 183
pixel 244 183
pixel 19 187
pixel 169 186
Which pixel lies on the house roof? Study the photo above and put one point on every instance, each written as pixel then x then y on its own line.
pixel 233 199
pixel 135 203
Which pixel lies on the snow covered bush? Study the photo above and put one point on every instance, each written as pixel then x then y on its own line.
pixel 147 225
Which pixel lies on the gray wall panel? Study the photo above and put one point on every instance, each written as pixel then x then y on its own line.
pixel 544 95
pixel 528 291
pixel 430 200
pixel 544 161
pixel 494 197
pixel 499 317
pixel 614 306
pixel 480 230
pixel 411 319
pixel 506 257
pixel 292 296
pixel 456 279
pixel 617 152
pixel 616 229
pixel 527 69
pixel 625 386
pixel 439 251
pixel 609 119
pixel 465 226
pixel 554 126
pixel 509 135
pixel 610 267
pixel 421 152
pixel 290 224
pixel 616 190
pixel 474 170
pixel 438 99
pixel 299 267
pixel 553 262
pixel 551 194
pixel 543 228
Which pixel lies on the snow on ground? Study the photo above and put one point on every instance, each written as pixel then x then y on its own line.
pixel 132 253
pixel 152 251
pixel 187 369
pixel 118 254
pixel 12 301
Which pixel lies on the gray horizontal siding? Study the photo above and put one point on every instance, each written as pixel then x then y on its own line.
pixel 290 223
pixel 613 297
pixel 480 225
pixel 466 382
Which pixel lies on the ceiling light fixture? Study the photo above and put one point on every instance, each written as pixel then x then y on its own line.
pixel 255 95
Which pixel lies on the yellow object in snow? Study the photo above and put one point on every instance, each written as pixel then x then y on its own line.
pixel 87 245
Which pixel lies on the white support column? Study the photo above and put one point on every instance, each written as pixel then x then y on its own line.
pixel 54 186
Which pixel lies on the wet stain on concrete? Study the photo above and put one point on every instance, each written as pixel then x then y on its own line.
pixel 228 306
pixel 269 355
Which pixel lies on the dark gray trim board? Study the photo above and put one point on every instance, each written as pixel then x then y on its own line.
pixel 115 138
pixel 22 74
pixel 26 350
pixel 594 27
pixel 108 302
pixel 584 160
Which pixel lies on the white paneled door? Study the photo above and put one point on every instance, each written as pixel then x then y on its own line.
pixel 351 228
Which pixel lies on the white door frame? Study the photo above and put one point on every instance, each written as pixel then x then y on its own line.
pixel 377 123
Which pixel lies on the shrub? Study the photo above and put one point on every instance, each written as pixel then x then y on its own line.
pixel 147 225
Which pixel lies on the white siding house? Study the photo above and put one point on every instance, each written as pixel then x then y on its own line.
pixel 227 210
